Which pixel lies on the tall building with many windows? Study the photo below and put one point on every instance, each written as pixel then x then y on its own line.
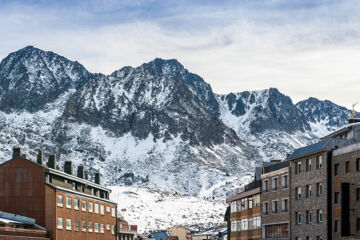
pixel 276 200
pixel 70 207
pixel 245 212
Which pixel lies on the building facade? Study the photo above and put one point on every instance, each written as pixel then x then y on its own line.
pixel 245 212
pixel 125 231
pixel 68 206
pixel 345 172
pixel 276 201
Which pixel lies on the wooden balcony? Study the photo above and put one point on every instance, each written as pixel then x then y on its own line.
pixel 251 212
pixel 247 234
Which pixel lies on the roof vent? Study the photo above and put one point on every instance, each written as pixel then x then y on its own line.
pixel 68 167
pixel 16 152
pixel 52 161
pixel 97 178
pixel 80 171
pixel 40 157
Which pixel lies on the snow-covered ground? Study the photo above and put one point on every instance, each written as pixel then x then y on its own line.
pixel 155 209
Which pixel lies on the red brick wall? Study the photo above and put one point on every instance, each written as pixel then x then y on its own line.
pixel 22 190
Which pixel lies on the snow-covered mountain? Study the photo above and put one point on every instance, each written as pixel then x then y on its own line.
pixel 156 125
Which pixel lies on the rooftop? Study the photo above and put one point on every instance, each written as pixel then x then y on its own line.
pixel 313 148
pixel 276 166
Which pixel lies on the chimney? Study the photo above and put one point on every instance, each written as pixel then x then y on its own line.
pixel 68 167
pixel 86 176
pixel 16 152
pixel 80 171
pixel 52 161
pixel 40 157
pixel 97 178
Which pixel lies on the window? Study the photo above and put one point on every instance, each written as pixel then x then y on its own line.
pixel 308 191
pixel 107 209
pixel 59 223
pixel 274 206
pixel 83 226
pixel 108 227
pixel 83 206
pixel 319 189
pixel 90 227
pixel 96 227
pixel 308 165
pixel 298 168
pixel 308 238
pixel 90 207
pixel 265 185
pixel 68 224
pixel 358 224
pixel 76 225
pixel 113 212
pixel 250 203
pixel 319 214
pixel 102 228
pixel 337 198
pixel 298 217
pixel 68 202
pixel 59 200
pixel 319 238
pixel 76 204
pixel 298 192
pixel 347 166
pixel 284 181
pixel 112 229
pixel 336 169
pixel 275 184
pixel 285 205
pixel 318 162
pixel 308 217
pixel 265 208
pixel 358 194
pixel 358 164
pixel 96 208
pixel 337 225
pixel 102 209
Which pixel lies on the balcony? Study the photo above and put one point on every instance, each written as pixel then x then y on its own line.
pixel 251 212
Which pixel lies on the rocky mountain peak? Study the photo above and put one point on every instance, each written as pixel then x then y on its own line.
pixel 31 78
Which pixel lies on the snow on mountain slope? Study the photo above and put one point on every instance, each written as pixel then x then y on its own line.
pixel 159 209
pixel 269 120
pixel 156 126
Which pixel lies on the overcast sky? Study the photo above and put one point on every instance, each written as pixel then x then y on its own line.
pixel 302 47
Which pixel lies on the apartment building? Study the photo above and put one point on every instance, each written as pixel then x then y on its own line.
pixel 275 200
pixel 125 231
pixel 68 206
pixel 245 211
pixel 345 178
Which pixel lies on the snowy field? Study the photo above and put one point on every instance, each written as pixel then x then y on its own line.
pixel 159 209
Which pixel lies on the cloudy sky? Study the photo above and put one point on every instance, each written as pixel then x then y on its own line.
pixel 302 47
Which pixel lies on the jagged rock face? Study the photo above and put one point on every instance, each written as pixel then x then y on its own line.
pixel 30 78
pixel 160 97
pixel 324 111
pixel 155 125
pixel 265 110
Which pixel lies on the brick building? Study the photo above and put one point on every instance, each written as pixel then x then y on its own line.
pixel 245 212
pixel 345 176
pixel 68 206
pixel 125 231
pixel 276 201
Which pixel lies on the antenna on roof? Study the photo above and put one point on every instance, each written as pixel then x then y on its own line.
pixel 353 110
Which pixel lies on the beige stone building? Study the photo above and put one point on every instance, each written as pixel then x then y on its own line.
pixel 181 232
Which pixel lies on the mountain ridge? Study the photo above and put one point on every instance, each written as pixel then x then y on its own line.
pixel 153 125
